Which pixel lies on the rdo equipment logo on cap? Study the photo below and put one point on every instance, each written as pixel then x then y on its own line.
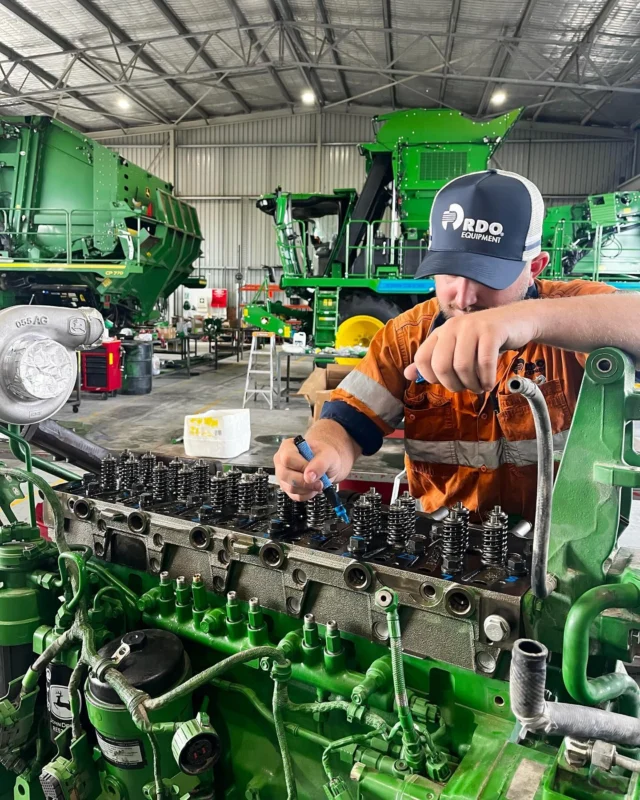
pixel 472 228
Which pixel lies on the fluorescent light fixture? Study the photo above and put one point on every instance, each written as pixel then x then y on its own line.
pixel 308 97
pixel 124 102
pixel 498 97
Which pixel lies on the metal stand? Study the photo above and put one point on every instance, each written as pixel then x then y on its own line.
pixel 256 366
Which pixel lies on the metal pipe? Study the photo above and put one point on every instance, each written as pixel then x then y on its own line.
pixel 544 490
pixel 39 463
pixel 575 649
pixel 528 676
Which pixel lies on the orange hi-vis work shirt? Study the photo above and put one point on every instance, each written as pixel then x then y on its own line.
pixel 477 449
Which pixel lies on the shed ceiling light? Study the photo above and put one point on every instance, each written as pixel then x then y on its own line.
pixel 308 97
pixel 123 102
pixel 498 98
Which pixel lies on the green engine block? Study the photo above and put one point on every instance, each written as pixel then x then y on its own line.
pixel 166 645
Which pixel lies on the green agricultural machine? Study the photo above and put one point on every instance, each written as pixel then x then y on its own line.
pixel 193 635
pixel 80 225
pixel 598 239
pixel 353 255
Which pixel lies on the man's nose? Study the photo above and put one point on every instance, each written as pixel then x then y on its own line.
pixel 466 294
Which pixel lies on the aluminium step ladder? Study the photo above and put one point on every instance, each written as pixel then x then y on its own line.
pixel 262 362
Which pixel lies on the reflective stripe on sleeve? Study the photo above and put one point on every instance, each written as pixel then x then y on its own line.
pixel 480 454
pixel 375 396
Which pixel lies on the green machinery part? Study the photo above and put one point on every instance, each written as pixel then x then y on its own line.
pixel 266 705
pixel 598 239
pixel 336 244
pixel 78 219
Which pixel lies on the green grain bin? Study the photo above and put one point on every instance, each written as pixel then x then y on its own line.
pixel 79 223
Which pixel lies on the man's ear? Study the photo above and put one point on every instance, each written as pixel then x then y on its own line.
pixel 538 264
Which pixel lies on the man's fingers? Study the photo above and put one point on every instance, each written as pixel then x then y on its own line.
pixel 487 361
pixel 298 481
pixel 464 363
pixel 422 359
pixel 319 465
pixel 296 493
pixel 442 363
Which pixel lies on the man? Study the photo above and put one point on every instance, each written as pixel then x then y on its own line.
pixel 466 437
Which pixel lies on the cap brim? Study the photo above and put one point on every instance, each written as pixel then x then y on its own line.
pixel 496 273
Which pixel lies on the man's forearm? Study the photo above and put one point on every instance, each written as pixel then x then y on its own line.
pixel 586 323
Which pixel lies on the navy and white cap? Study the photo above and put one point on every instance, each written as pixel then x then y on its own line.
pixel 484 226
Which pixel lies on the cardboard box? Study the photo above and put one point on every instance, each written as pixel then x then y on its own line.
pixel 318 386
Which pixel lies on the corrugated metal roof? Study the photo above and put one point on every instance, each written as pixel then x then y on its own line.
pixel 269 62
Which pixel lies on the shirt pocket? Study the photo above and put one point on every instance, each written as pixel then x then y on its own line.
pixel 517 425
pixel 428 413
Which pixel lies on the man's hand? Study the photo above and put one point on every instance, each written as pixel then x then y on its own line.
pixel 334 454
pixel 463 353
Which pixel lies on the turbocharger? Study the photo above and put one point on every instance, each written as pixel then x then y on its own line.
pixel 38 365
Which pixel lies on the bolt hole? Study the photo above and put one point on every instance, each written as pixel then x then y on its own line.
pixel 137 522
pixel 499 701
pixel 218 584
pixel 381 631
pixel 357 577
pixel 604 365
pixel 158 541
pixel 299 577
pixel 70 503
pixel 272 556
pixel 200 538
pixel 428 591
pixel 82 509
pixel 98 549
pixel 155 565
pixel 293 605
pixel 223 557
pixel 458 603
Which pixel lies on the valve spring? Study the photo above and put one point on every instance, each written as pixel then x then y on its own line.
pixel 246 495
pixel 363 518
pixel 218 488
pixel 397 525
pixel 128 472
pixel 233 479
pixel 453 543
pixel 174 468
pixel 284 507
pixel 299 514
pixel 262 487
pixel 185 483
pixel 463 512
pixel 201 477
pixel 375 500
pixel 317 511
pixel 408 502
pixel 495 531
pixel 147 463
pixel 125 455
pixel 108 474
pixel 160 483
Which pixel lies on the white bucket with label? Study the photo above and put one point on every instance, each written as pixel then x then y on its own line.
pixel 217 433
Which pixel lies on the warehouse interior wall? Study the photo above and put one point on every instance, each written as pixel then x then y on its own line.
pixel 221 169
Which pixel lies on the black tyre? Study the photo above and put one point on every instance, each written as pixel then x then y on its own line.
pixel 367 304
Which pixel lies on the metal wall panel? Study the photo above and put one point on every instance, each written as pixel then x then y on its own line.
pixel 563 165
pixel 284 130
pixel 154 158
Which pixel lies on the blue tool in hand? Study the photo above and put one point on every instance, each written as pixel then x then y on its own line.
pixel 420 379
pixel 328 491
